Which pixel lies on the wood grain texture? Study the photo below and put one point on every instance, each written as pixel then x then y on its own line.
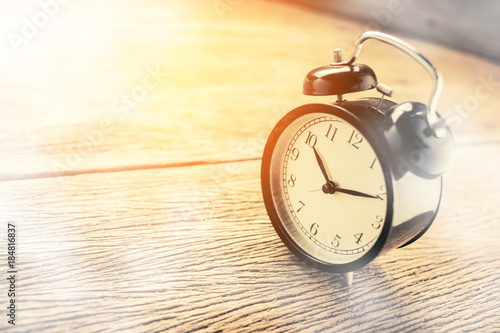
pixel 152 230
pixel 183 253
pixel 223 82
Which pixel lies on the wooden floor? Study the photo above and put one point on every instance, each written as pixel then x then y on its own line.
pixel 130 147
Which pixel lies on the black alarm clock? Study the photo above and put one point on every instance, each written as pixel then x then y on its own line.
pixel 347 181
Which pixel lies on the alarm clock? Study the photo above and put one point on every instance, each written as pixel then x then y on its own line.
pixel 347 181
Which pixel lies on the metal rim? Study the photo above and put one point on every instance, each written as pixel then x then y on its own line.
pixel 379 148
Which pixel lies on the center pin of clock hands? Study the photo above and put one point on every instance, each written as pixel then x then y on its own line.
pixel 330 187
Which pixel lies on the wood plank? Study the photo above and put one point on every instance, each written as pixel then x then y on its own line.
pixel 226 80
pixel 191 248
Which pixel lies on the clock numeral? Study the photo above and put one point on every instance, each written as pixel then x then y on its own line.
pixel 311 140
pixel 302 206
pixel 382 188
pixel 358 237
pixel 336 241
pixel 373 163
pixel 331 132
pixel 292 180
pixel 295 154
pixel 314 229
pixel 378 222
pixel 355 139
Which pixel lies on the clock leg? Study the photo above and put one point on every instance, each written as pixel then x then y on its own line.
pixel 347 278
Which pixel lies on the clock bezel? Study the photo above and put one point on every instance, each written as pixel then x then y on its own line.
pixel 372 132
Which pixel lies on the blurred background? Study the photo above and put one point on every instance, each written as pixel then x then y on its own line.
pixel 469 26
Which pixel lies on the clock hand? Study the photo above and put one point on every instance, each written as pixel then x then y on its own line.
pixel 330 188
pixel 321 164
pixel 356 193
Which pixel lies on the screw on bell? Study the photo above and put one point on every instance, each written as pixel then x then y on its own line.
pixel 337 57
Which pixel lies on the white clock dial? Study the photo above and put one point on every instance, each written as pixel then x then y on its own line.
pixel 328 188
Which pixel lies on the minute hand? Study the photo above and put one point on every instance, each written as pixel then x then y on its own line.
pixel 352 192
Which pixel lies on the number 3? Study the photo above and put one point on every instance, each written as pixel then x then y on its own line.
pixel 378 222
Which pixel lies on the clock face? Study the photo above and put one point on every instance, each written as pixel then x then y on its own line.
pixel 328 190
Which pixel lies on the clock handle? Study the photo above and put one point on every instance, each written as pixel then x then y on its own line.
pixel 435 123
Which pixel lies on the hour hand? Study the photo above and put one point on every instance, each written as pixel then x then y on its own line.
pixel 321 164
